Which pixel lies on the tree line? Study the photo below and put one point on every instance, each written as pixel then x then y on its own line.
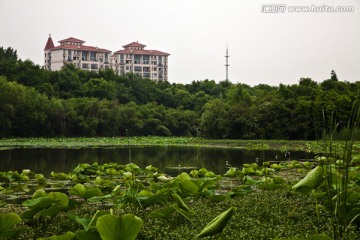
pixel 72 102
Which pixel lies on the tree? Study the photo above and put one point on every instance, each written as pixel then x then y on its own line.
pixel 212 120
pixel 99 88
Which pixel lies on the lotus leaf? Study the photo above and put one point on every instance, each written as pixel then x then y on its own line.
pixel 218 223
pixel 126 227
pixel 311 181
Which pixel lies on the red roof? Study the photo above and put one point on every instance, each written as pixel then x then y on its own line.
pixel 82 48
pixel 142 52
pixel 134 44
pixel 71 39
pixel 49 44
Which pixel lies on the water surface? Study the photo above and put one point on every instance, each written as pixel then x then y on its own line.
pixel 65 160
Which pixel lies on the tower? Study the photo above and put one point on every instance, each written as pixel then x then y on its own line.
pixel 227 64
pixel 49 45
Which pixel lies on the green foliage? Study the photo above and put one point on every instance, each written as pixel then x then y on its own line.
pixel 85 192
pixel 99 88
pixel 73 102
pixel 181 205
pixel 88 222
pixel 7 222
pixel 42 204
pixel 124 227
pixel 312 180
pixel 217 224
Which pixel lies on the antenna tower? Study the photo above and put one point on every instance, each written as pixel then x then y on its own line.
pixel 227 64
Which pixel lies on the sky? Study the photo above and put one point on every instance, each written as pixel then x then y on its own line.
pixel 267 42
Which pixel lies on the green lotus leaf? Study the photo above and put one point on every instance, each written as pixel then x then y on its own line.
pixel 66 236
pixel 126 227
pixel 162 213
pixel 230 173
pixel 217 224
pixel 60 198
pixel 7 221
pixel 311 181
pixel 352 196
pixel 187 186
pixel 163 178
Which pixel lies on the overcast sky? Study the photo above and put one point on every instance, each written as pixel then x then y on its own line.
pixel 268 48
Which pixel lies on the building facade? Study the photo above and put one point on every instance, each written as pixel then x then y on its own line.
pixel 73 51
pixel 133 58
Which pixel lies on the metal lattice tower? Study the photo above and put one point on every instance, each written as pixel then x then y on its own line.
pixel 227 64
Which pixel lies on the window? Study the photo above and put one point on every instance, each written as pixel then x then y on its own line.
pixel 92 56
pixel 94 66
pixel 146 69
pixel 137 59
pixel 85 66
pixel 106 58
pixel 69 55
pixel 84 56
pixel 145 59
pixel 137 69
pixel 121 58
pixel 146 75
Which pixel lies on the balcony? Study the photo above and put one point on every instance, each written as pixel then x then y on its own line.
pixel 146 70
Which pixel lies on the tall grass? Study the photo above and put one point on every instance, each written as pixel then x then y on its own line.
pixel 337 166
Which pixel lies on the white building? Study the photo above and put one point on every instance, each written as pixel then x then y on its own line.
pixel 134 58
pixel 73 51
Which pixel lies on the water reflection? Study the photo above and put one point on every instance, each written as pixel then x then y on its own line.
pixel 64 160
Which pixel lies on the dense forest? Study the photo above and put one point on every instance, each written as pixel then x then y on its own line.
pixel 73 102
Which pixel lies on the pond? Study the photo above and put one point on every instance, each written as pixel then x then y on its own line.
pixel 45 160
